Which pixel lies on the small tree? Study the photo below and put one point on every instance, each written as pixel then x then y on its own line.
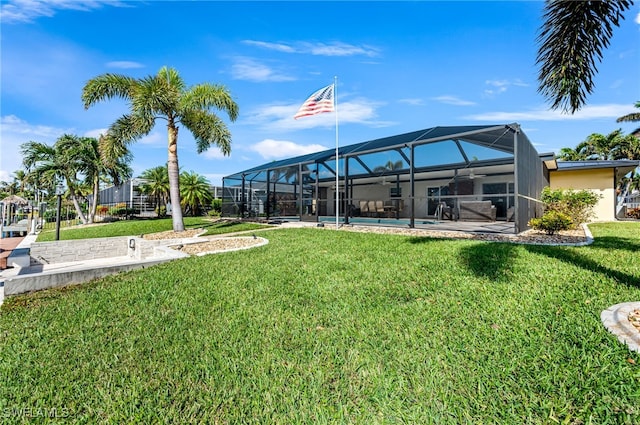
pixel 565 209
pixel 577 204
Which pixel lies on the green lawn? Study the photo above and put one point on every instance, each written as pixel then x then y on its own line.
pixel 138 227
pixel 321 326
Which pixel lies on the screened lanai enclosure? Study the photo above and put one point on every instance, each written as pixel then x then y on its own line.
pixel 440 175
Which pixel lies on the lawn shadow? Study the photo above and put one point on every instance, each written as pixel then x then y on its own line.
pixel 571 255
pixel 491 260
pixel 618 243
pixel 427 239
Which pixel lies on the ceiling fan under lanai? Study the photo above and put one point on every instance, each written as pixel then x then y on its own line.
pixel 472 175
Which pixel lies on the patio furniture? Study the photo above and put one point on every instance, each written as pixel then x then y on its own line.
pixel 393 207
pixel 379 208
pixel 443 211
pixel 20 227
pixel 364 208
pixel 477 211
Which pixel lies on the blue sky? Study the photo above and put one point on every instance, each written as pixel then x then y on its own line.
pixel 400 67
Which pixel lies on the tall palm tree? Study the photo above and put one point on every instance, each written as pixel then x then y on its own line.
pixel 195 192
pixel 166 97
pixel 156 185
pixel 572 37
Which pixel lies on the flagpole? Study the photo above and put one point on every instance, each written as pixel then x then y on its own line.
pixel 335 97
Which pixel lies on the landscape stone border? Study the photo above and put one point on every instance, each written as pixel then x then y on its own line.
pixel 616 320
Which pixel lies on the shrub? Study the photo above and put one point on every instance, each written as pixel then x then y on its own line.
pixel 102 209
pixel 121 210
pixel 216 204
pixel 161 211
pixel 552 222
pixel 577 204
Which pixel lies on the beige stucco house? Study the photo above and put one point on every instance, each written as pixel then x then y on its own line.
pixel 601 177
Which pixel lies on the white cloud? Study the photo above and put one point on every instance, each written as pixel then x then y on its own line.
pixel 338 49
pixel 96 133
pixel 14 11
pixel 638 19
pixel 124 65
pixel 271 46
pixel 214 153
pixel 317 49
pixel 154 139
pixel 453 100
pixel 587 113
pixel 252 70
pixel 280 117
pixel 276 149
pixel 501 86
pixel 412 102
pixel 14 132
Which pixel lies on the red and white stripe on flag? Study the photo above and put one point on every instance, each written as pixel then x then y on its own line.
pixel 319 102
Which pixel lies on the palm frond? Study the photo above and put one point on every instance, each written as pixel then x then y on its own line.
pixel 572 38
pixel 107 86
pixel 206 96
pixel 129 128
pixel 208 129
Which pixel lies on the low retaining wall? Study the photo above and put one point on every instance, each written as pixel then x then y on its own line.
pixel 59 263
pixel 25 283
pixel 78 250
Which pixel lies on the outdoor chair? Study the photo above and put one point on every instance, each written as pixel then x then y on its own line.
pixel 379 208
pixel 372 208
pixel 364 208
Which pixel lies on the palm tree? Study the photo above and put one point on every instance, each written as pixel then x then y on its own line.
pixel 95 165
pixel 573 154
pixel 389 166
pixel 572 37
pixel 614 145
pixel 53 163
pixel 195 191
pixel 632 117
pixel 70 158
pixel 165 97
pixel 21 180
pixel 156 185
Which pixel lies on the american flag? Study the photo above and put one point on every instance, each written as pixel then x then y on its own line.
pixel 319 102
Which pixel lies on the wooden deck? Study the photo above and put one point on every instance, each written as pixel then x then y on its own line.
pixel 6 246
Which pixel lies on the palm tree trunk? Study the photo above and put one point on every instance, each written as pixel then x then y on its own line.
pixel 72 192
pixel 94 204
pixel 174 178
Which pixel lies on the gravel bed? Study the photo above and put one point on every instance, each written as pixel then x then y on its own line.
pixel 221 244
pixel 568 237
pixel 217 244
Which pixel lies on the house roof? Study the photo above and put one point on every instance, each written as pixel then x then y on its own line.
pixel 623 166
